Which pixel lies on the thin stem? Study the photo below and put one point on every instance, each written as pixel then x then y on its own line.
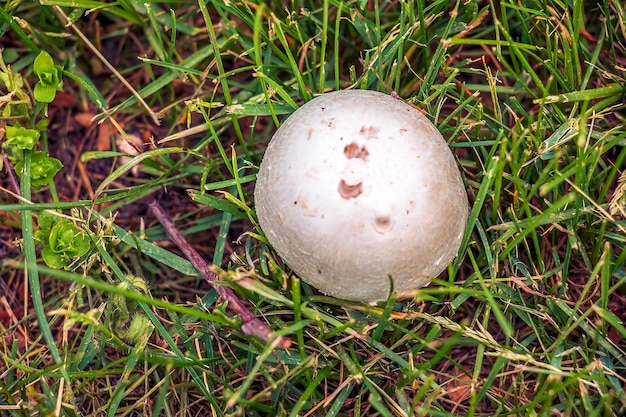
pixel 31 267
pixel 252 326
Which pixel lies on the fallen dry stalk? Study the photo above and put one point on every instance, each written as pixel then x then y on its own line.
pixel 252 326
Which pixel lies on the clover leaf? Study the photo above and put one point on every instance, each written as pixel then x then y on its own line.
pixel 43 169
pixel 49 77
pixel 20 139
pixel 66 242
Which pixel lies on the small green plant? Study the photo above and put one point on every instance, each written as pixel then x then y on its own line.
pixel 63 241
pixel 43 169
pixel 20 139
pixel 49 78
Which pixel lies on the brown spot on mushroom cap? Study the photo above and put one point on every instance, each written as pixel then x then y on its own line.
pixel 349 191
pixel 369 132
pixel 353 150
pixel 330 123
pixel 306 210
pixel 309 134
pixel 383 223
pixel 302 202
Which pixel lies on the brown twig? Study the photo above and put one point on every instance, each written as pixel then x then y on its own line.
pixel 9 169
pixel 252 326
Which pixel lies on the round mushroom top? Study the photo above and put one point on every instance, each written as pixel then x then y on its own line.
pixel 359 193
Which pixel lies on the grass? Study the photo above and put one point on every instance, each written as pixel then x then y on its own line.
pixel 528 320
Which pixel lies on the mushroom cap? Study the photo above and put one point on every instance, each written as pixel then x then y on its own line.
pixel 358 189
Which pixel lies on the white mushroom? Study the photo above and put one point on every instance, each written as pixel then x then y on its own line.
pixel 357 190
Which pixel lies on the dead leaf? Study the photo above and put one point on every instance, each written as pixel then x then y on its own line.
pixel 129 144
pixel 64 100
pixel 460 388
pixel 84 119
pixel 105 131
